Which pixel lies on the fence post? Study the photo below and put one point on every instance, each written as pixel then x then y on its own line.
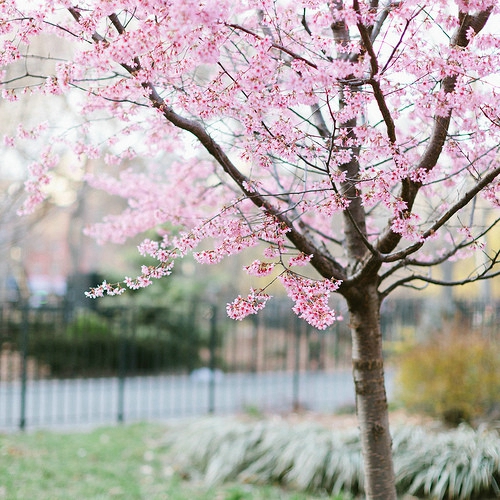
pixel 212 361
pixel 296 368
pixel 255 343
pixel 24 365
pixel 122 367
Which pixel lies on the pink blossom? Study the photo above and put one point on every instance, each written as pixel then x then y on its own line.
pixel 311 298
pixel 258 268
pixel 148 247
pixel 208 257
pixel 241 307
pixel 407 226
pixel 299 260
pixel 273 252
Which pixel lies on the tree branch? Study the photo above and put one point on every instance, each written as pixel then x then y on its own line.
pixel 374 81
pixel 96 37
pixel 483 275
pixel 409 189
pixel 354 215
pixel 381 20
pixel 438 260
pixel 375 260
pixel 323 263
pixel 276 46
pixel 468 196
pixel 401 38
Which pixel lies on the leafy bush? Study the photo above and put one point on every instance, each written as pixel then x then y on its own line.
pixel 105 343
pixel 460 464
pixel 303 457
pixel 453 377
pixel 88 324
pixel 106 356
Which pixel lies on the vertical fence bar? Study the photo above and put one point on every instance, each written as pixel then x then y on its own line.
pixel 24 365
pixel 122 367
pixel 192 332
pixel 255 345
pixel 296 368
pixel 212 361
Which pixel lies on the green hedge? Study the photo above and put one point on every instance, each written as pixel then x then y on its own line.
pixel 93 356
pixel 106 343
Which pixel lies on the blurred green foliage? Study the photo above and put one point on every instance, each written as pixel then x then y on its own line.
pixel 453 377
pixel 105 342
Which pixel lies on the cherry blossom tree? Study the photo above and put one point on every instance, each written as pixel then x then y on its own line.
pixel 354 144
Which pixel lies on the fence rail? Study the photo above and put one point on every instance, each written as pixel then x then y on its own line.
pixel 61 366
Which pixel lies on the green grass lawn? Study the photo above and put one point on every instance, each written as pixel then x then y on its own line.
pixel 126 462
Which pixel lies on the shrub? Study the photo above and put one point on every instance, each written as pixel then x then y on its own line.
pixel 305 457
pixel 88 324
pixel 103 344
pixel 454 378
pixel 459 464
pixel 107 356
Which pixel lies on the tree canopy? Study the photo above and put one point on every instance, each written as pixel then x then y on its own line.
pixel 274 119
pixel 359 139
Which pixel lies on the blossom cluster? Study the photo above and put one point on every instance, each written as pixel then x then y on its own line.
pixel 234 235
pixel 299 260
pixel 242 307
pixel 145 279
pixel 407 226
pixel 303 125
pixel 39 172
pixel 311 298
pixel 105 288
pixel 258 268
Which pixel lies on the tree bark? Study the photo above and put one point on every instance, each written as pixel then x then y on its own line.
pixel 371 399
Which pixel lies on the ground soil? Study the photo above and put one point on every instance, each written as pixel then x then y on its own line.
pixel 349 420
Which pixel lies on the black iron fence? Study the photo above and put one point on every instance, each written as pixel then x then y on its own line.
pixel 62 366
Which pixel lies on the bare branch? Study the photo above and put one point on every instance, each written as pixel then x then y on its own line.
pixel 441 259
pixel 319 121
pixel 276 46
pixel 466 198
pixel 374 81
pixel 117 24
pixel 400 41
pixel 493 122
pixel 485 274
pixel 304 23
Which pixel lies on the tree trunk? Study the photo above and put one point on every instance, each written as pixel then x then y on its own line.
pixel 371 399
